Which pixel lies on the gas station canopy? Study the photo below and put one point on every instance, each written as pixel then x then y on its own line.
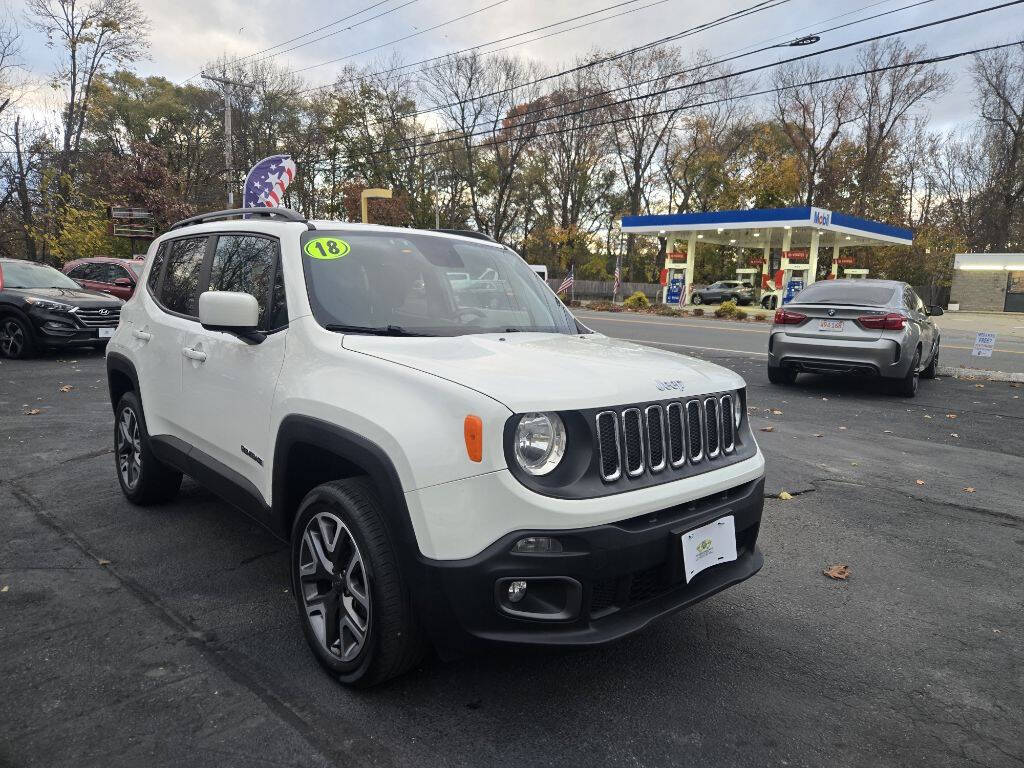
pixel 795 234
pixel 761 227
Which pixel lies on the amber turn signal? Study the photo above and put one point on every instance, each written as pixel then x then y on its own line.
pixel 474 431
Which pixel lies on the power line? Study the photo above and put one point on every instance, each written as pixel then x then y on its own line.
pixel 717 78
pixel 402 39
pixel 819 81
pixel 716 62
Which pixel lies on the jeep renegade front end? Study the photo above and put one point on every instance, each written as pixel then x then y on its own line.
pixel 453 457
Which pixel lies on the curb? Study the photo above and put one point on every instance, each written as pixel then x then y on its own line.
pixel 979 374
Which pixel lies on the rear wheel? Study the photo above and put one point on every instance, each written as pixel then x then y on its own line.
pixel 696 299
pixel 16 341
pixel 930 369
pixel 354 605
pixel 144 479
pixel 907 386
pixel 778 375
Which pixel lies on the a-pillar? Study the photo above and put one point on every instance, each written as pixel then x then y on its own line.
pixel 812 259
pixel 691 261
pixel 835 261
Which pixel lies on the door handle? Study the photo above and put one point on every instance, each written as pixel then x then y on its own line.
pixel 194 354
pixel 142 335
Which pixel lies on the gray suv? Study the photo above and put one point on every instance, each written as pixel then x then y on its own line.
pixel 877 328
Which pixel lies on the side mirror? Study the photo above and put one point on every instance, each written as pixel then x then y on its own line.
pixel 123 282
pixel 935 310
pixel 233 312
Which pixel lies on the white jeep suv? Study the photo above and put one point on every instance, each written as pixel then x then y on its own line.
pixel 452 456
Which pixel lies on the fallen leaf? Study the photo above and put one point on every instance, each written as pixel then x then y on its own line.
pixel 776 412
pixel 4 588
pixel 104 562
pixel 839 571
pixel 968 489
pixel 920 482
pixel 843 429
pixel 33 412
pixel 825 399
pixel 785 496
pixel 66 388
pixel 1015 385
pixel 950 415
pixel 953 434
pixel 979 386
pixel 767 429
pixel 818 434
pixel 854 463
pixel 887 431
pixel 927 416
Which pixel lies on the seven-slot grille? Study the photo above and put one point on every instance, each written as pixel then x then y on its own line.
pixel 99 318
pixel 635 440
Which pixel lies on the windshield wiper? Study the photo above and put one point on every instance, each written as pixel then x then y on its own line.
pixel 388 330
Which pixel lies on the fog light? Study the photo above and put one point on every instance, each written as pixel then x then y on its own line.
pixel 532 545
pixel 516 591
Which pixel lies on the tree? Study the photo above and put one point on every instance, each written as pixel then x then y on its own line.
pixel 91 35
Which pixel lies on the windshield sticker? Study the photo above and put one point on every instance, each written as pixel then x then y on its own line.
pixel 326 248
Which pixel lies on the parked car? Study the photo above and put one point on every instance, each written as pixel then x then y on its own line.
pixel 41 307
pixel 723 290
pixel 445 473
pixel 855 327
pixel 117 277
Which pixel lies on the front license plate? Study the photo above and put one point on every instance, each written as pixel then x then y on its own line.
pixel 106 333
pixel 830 326
pixel 711 544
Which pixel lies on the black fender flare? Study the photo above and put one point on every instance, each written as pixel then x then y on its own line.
pixel 358 451
pixel 121 364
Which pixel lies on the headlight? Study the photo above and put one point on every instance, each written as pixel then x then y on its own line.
pixel 53 306
pixel 539 442
pixel 737 407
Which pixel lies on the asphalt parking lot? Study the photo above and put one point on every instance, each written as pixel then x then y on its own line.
pixel 166 636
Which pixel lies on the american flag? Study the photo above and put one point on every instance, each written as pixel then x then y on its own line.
pixel 618 279
pixel 267 180
pixel 568 282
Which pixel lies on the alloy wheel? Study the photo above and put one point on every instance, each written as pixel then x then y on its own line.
pixel 12 339
pixel 334 585
pixel 129 449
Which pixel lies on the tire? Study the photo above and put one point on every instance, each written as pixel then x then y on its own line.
pixel 768 302
pixel 929 371
pixel 696 299
pixel 362 641
pixel 16 339
pixel 778 375
pixel 907 386
pixel 143 478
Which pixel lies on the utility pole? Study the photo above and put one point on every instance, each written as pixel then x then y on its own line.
pixel 437 203
pixel 229 161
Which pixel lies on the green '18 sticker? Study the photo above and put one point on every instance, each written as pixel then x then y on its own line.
pixel 326 248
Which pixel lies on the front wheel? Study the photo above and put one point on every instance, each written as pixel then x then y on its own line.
pixel 16 341
pixel 932 367
pixel 696 299
pixel 354 605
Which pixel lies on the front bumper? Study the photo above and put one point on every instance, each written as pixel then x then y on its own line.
pixel 60 329
pixel 883 356
pixel 628 573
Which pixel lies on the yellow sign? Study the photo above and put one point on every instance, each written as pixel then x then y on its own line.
pixel 326 248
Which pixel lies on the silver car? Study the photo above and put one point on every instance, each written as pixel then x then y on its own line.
pixel 868 327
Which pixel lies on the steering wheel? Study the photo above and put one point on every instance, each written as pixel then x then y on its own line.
pixel 472 312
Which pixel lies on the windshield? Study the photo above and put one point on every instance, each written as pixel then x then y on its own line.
pixel 859 294
pixel 26 274
pixel 419 284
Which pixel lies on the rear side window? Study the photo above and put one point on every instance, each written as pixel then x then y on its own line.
pixel 80 272
pixel 829 292
pixel 245 263
pixel 180 290
pixel 158 265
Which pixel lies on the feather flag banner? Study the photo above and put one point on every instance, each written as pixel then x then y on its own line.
pixel 267 180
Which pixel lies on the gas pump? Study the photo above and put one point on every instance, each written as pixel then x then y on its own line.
pixel 673 278
pixel 788 282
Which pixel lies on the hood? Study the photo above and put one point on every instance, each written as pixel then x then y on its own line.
pixel 77 297
pixel 546 371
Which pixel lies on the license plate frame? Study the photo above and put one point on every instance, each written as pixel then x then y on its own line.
pixel 831 326
pixel 708 545
pixel 105 333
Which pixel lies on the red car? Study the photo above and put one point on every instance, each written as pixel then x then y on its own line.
pixel 117 277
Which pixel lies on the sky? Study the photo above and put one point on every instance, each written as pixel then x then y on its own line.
pixel 188 33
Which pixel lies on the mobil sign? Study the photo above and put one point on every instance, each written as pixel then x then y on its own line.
pixel 820 217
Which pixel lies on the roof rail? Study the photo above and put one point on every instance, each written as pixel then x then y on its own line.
pixel 468 233
pixel 281 213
